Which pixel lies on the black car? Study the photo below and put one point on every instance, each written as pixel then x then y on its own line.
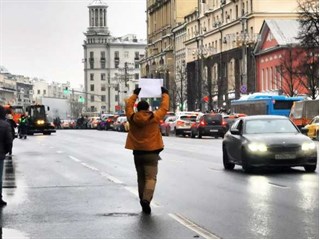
pixel 209 124
pixel 267 141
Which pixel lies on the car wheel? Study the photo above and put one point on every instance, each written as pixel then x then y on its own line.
pixel 192 135
pixel 310 168
pixel 226 163
pixel 199 135
pixel 245 164
pixel 167 132
pixel 176 132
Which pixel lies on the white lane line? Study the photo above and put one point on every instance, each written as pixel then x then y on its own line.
pixel 106 175
pixel 192 226
pixel 74 159
pixel 112 179
pixel 60 151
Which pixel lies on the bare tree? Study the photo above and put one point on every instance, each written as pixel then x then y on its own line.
pixel 309 39
pixel 290 82
pixel 75 108
pixel 309 23
pixel 181 86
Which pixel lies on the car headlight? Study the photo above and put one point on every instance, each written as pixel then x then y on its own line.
pixel 40 122
pixel 308 146
pixel 257 147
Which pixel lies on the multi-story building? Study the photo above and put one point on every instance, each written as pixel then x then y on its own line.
pixel 279 55
pixel 162 17
pixel 219 42
pixel 111 64
pixel 15 89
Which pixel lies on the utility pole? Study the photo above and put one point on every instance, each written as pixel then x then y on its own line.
pixel 126 74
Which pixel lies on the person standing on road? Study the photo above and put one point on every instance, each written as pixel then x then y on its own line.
pixel 13 126
pixel 145 139
pixel 5 146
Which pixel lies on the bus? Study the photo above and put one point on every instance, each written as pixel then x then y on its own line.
pixel 263 104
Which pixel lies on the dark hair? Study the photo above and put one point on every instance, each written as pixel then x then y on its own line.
pixel 2 112
pixel 143 105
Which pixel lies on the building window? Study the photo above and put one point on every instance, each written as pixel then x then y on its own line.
pixel 103 87
pixel 116 59
pixel 136 65
pixel 136 76
pixel 44 92
pixel 103 59
pixel 116 98
pixel 38 91
pixel 262 79
pixel 103 98
pixel 126 54
pixel 91 60
pixel 92 98
pixel 91 76
pixel 136 56
pixel 103 76
pixel 92 87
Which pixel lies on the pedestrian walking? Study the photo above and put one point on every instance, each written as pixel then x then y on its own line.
pixel 5 146
pixel 13 126
pixel 23 126
pixel 145 139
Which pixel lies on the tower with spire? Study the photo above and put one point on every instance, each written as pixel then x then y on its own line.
pixel 111 64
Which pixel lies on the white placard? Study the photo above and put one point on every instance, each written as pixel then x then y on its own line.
pixel 150 87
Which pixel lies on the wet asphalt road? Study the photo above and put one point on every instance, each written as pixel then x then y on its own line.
pixel 82 184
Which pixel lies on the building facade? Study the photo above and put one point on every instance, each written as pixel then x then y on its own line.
pixel 111 64
pixel 220 38
pixel 278 55
pixel 162 17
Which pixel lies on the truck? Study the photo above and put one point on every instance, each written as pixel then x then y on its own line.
pixel 38 121
pixel 15 111
pixel 302 112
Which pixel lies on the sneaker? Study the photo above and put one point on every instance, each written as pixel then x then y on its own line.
pixel 2 203
pixel 145 206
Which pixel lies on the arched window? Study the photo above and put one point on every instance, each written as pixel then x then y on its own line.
pixel 96 17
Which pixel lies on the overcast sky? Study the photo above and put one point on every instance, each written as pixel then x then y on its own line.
pixel 43 38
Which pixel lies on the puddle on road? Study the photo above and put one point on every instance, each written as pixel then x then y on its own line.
pixel 8 233
pixel 119 214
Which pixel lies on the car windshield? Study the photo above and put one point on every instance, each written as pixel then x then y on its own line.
pixel 269 126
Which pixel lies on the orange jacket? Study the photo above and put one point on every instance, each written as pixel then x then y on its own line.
pixel 144 133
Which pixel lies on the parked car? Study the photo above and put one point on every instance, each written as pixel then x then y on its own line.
pixel 94 121
pixel 67 124
pixel 209 124
pixel 167 125
pixel 312 129
pixel 230 119
pixel 266 140
pixel 182 125
pixel 120 124
pixel 110 120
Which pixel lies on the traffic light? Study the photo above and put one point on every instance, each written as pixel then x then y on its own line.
pixel 81 99
pixel 66 90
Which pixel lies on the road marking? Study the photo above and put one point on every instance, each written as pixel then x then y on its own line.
pixel 193 226
pixel 104 174
pixel 60 151
pixel 74 159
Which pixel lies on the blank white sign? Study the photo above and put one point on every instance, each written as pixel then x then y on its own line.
pixel 150 87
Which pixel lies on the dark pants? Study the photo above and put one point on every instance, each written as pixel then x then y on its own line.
pixel 147 169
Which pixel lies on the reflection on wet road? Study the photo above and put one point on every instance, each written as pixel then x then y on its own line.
pixel 57 187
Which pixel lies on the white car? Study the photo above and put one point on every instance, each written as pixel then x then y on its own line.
pixel 183 123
